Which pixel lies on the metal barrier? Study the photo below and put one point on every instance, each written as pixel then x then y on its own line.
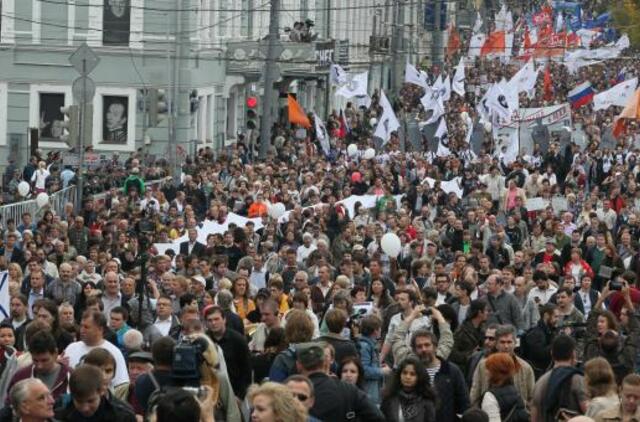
pixel 57 201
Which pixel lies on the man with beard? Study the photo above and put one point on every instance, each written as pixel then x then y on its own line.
pixel 447 379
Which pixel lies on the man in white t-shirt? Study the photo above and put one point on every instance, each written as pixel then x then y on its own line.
pixel 92 330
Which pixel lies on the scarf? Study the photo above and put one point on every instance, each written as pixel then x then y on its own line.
pixel 411 405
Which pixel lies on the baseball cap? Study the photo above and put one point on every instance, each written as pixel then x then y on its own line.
pixel 200 279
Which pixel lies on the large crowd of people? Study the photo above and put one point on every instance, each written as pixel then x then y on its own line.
pixel 130 310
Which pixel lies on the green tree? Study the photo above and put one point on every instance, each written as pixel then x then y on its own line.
pixel 626 19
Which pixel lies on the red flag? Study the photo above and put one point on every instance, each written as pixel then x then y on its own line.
pixel 527 40
pixel 495 44
pixel 297 115
pixel 344 127
pixel 548 85
pixel 454 43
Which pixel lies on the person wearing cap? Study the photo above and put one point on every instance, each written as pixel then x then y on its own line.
pixel 134 181
pixel 335 400
pixel 138 363
pixel 550 255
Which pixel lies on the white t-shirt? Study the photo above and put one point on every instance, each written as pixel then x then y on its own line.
pixel 77 350
pixel 40 178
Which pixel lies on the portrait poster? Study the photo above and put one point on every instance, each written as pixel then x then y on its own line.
pixel 116 24
pixel 51 117
pixel 114 120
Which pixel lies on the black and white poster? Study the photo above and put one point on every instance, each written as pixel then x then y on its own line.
pixel 51 117
pixel 116 22
pixel 114 120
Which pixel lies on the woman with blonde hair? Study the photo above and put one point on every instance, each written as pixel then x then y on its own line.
pixel 601 386
pixel 241 300
pixel 271 402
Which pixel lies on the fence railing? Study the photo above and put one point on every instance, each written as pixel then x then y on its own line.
pixel 57 202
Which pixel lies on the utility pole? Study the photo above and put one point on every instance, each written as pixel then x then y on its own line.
pixel 437 51
pixel 274 49
pixel 397 48
pixel 179 111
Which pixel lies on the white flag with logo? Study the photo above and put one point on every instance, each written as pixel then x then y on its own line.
pixel 442 133
pixel 498 102
pixel 4 295
pixel 432 101
pixel 415 76
pixel 457 85
pixel 338 76
pixel 321 134
pixel 356 86
pixel 388 121
pixel 445 90
pixel 618 95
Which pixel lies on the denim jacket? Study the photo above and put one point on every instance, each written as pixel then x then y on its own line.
pixel 373 377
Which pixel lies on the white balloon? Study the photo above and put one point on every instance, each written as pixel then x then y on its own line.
pixel 277 210
pixel 464 115
pixel 369 153
pixel 42 199
pixel 488 126
pixel 391 245
pixel 373 121
pixel 23 188
pixel 352 150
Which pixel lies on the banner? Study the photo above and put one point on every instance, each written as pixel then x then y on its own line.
pixel 536 125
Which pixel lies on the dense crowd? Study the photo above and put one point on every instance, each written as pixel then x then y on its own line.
pixel 130 309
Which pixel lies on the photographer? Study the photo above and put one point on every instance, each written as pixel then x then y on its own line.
pixel 446 377
pixel 604 337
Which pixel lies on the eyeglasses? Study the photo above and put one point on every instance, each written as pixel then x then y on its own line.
pixel 301 397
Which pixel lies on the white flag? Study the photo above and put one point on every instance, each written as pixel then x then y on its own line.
pixel 482 107
pixel 432 100
pixel 445 91
pixel 475 44
pixel 498 103
pixel 457 85
pixel 388 121
pixel 618 95
pixel 478 25
pixel 504 20
pixel 4 295
pixel 321 134
pixel 559 23
pixel 337 76
pixel 355 86
pixel 442 133
pixel 525 79
pixel 414 76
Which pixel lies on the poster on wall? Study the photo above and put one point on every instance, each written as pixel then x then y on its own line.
pixel 51 117
pixel 114 120
pixel 116 25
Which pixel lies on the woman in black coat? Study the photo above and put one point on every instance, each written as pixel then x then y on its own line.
pixel 409 396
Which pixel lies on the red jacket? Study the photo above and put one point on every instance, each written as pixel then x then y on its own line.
pixel 59 388
pixel 586 268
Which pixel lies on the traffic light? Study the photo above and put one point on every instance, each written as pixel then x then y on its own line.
pixel 71 125
pixel 252 112
pixel 158 106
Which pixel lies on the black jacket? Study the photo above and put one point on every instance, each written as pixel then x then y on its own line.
pixel 452 390
pixel 466 340
pixel 198 249
pixel 237 356
pixel 577 301
pixel 110 410
pixel 536 347
pixel 337 401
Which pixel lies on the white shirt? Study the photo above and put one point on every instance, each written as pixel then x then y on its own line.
pixel 77 350
pixel 586 301
pixel 163 326
pixel 542 295
pixel 417 324
pixel 303 252
pixel 40 177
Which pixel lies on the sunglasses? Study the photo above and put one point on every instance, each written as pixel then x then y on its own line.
pixel 301 397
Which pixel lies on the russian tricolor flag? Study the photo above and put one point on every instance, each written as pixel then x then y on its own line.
pixel 581 95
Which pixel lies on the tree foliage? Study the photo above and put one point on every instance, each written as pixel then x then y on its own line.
pixel 626 19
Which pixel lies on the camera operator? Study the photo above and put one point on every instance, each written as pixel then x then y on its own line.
pixel 535 345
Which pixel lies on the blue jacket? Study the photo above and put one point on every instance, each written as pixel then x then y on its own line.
pixel 373 377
